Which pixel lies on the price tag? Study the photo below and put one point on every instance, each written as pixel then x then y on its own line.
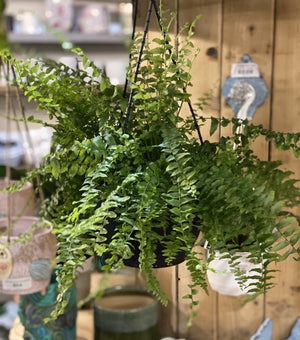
pixel 16 284
pixel 244 70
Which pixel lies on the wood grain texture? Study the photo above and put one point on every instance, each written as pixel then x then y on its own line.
pixel 283 301
pixel 85 325
pixel 205 323
pixel 237 322
pixel 206 67
pixel 286 88
pixel 248 29
pixel 227 30
pixel 205 78
pixel 168 316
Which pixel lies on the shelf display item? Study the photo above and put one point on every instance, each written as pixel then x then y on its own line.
pixel 33 308
pixel 127 313
pixel 10 149
pixel 60 14
pixel 93 18
pixel 27 249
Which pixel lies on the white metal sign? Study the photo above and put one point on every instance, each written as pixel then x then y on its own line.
pixel 244 70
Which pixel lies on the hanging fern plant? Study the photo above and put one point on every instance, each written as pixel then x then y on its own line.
pixel 129 175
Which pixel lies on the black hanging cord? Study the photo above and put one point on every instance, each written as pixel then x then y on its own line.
pixel 174 62
pixel 127 112
pixel 134 19
pixel 154 4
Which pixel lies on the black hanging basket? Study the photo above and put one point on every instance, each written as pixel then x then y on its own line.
pixel 161 260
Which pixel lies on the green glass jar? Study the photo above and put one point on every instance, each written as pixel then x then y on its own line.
pixel 126 313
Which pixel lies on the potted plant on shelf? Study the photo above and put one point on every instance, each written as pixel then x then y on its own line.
pixel 27 244
pixel 130 176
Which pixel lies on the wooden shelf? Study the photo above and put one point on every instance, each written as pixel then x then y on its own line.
pixel 88 1
pixel 73 37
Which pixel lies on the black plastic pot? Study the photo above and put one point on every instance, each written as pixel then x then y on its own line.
pixel 160 258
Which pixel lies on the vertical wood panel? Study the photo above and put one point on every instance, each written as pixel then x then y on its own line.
pixel 283 301
pixel 168 316
pixel 205 324
pixel 247 29
pixel 167 276
pixel 205 78
pixel 206 68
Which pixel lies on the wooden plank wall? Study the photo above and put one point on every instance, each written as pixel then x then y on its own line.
pixel 269 31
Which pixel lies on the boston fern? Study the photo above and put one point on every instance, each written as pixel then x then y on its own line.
pixel 130 178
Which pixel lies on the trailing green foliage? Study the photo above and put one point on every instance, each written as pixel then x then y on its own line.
pixel 155 185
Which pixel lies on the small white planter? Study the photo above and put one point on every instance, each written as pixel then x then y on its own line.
pixel 224 280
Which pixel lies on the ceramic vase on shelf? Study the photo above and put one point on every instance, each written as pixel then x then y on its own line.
pixel 33 308
pixel 59 14
pixel 126 312
pixel 26 255
pixel 223 280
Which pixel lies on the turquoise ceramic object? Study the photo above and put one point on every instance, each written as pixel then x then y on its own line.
pixel 33 308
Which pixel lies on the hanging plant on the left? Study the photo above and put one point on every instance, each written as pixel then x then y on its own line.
pixel 27 244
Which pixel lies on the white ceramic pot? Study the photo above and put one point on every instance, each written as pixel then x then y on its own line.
pixel 25 268
pixel 224 281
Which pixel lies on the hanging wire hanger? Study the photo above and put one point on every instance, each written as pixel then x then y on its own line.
pixel 8 133
pixel 28 136
pixel 10 107
pixel 146 28
pixel 134 20
pixel 152 3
